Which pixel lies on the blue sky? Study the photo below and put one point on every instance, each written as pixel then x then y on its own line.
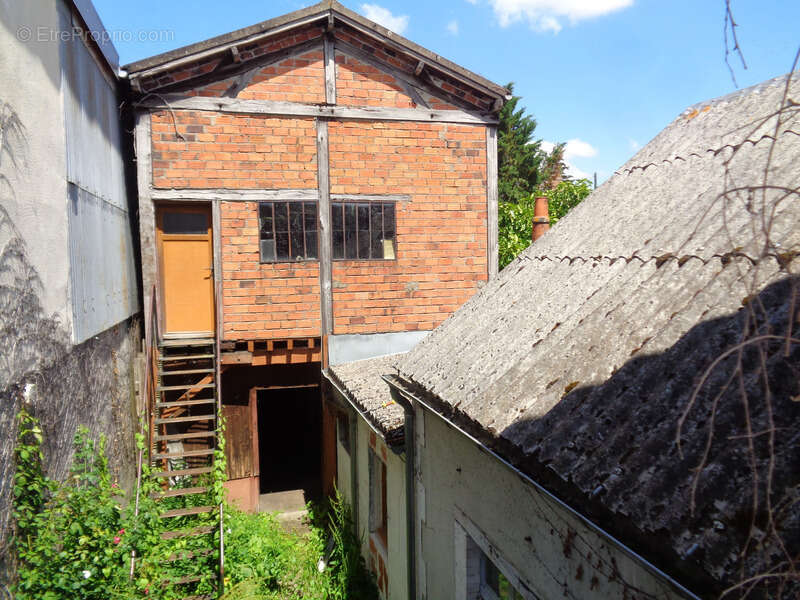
pixel 603 75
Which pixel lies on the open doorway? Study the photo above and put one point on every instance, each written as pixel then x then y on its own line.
pixel 290 440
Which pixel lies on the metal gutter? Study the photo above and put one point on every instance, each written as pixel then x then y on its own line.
pixel 394 383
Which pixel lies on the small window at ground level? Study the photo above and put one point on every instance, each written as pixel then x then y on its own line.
pixel 287 231
pixel 343 428
pixel 377 497
pixel 363 230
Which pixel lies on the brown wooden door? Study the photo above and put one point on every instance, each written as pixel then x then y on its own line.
pixel 187 274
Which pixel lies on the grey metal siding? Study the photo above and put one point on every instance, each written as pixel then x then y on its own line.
pixel 103 283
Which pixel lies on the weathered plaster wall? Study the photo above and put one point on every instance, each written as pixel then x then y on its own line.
pixel 555 553
pixel 395 556
pixel 64 385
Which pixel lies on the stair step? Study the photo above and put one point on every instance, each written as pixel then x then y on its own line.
pixel 185 454
pixel 171 437
pixel 188 386
pixel 180 492
pixel 182 472
pixel 188 555
pixel 186 402
pixel 185 512
pixel 171 535
pixel 171 357
pixel 167 421
pixel 187 371
pixel 186 342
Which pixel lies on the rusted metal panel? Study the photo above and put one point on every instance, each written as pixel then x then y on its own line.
pixel 103 282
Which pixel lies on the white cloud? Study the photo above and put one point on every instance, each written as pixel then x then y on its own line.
pixel 545 15
pixel 579 149
pixel 472 1
pixel 383 16
pixel 452 27
pixel 575 148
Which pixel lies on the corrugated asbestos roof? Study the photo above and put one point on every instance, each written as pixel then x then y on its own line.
pixel 361 381
pixel 578 361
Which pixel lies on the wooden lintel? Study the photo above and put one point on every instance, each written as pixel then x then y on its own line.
pixel 241 357
pixel 234 195
pixel 296 109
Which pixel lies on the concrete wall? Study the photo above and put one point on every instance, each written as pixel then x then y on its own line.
pixel 553 553
pixel 393 578
pixel 63 384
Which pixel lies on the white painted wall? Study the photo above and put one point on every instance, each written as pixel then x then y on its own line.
pixel 30 80
pixel 555 553
pixel 397 557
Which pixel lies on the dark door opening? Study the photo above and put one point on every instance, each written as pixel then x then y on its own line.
pixel 290 440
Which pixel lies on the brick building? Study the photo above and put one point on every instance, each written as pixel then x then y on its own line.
pixel 313 190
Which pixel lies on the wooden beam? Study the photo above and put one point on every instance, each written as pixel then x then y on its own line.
pixel 216 242
pixel 330 69
pixel 295 109
pixel 146 210
pixel 325 252
pixel 420 80
pixel 234 195
pixel 419 67
pixel 235 54
pixel 491 201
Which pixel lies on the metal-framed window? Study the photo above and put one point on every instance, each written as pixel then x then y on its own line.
pixel 287 231
pixel 363 230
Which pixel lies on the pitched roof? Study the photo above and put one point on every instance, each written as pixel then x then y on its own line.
pixel 579 361
pixel 361 381
pixel 327 11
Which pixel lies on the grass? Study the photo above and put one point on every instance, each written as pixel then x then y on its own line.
pixel 266 562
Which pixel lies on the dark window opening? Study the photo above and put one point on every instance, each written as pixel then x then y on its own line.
pixel 363 231
pixel 343 429
pixel 287 231
pixel 185 223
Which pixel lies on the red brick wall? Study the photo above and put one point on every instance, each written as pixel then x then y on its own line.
pixel 232 151
pixel 360 84
pixel 263 301
pixel 297 79
pixel 441 231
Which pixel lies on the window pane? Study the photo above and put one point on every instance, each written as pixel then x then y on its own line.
pixel 376 237
pixel 281 217
pixel 310 213
pixel 363 231
pixel 265 217
pixel 185 223
pixel 296 230
pixel 267 250
pixel 350 228
pixel 388 221
pixel 282 245
pixel 337 220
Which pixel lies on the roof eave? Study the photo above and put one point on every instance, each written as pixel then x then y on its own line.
pixel 318 12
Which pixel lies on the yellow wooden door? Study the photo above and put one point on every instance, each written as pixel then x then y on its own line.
pixel 187 272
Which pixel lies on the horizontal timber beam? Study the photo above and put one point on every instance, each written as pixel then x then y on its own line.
pixel 295 109
pixel 231 195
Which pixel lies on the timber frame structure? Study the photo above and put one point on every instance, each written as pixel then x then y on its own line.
pixel 317 110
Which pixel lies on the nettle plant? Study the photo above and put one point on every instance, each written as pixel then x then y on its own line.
pixel 76 539
pixel 69 537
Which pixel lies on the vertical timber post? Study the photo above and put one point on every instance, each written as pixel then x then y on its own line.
pixel 491 200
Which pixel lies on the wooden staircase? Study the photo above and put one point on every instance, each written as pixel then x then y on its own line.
pixel 183 440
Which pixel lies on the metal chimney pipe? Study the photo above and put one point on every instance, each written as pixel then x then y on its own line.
pixel 541 218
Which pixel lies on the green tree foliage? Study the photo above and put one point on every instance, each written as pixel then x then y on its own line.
pixel 519 156
pixel 525 171
pixel 515 218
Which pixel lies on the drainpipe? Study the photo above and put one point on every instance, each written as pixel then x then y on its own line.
pixel 408 433
pixel 408 398
pixel 541 218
